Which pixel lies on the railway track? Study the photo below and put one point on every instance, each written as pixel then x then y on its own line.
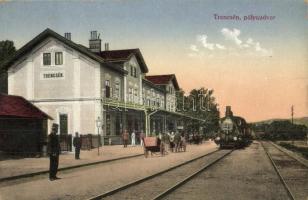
pixel 161 184
pixel 292 173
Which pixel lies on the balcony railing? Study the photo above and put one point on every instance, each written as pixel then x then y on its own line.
pixel 122 104
pixel 129 105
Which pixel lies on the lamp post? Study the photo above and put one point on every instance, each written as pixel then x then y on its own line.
pixel 98 125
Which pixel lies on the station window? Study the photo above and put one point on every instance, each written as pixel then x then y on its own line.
pixel 136 95
pixel 46 58
pixel 135 72
pixel 117 90
pixel 131 70
pixel 58 58
pixel 107 89
pixel 130 94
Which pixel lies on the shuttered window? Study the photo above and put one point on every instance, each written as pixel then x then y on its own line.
pixel 58 58
pixel 107 88
pixel 46 58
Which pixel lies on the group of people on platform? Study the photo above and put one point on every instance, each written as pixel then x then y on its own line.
pixel 175 140
pixel 133 137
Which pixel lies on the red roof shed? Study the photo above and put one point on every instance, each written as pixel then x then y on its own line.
pixel 17 106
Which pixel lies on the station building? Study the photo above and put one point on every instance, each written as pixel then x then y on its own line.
pixel 87 90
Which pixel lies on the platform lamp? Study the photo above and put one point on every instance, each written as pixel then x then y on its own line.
pixel 98 125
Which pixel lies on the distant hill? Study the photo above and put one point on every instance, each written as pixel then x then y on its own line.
pixel 301 120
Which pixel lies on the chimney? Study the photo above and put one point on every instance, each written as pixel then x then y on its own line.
pixel 95 42
pixel 106 46
pixel 229 113
pixel 67 36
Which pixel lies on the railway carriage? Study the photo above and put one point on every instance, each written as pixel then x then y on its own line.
pixel 234 132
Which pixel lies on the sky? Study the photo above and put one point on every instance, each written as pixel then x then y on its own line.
pixel 260 68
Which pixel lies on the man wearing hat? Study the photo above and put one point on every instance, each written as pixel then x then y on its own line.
pixel 54 151
pixel 77 145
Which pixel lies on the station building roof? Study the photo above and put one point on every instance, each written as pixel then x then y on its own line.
pixel 124 55
pixel 163 80
pixel 50 33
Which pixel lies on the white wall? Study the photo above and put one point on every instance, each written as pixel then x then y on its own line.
pixel 75 94
pixel 133 82
pixel 170 98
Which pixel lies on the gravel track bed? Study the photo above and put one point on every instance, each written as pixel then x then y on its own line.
pixel 294 173
pixel 152 187
pixel 243 175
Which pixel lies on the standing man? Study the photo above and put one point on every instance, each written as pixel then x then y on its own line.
pixel 141 138
pixel 77 145
pixel 54 151
pixel 171 140
pixel 133 138
pixel 125 136
pixel 177 141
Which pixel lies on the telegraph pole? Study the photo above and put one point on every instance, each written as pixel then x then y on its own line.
pixel 292 113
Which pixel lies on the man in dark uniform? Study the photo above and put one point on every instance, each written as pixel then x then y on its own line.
pixel 77 145
pixel 54 151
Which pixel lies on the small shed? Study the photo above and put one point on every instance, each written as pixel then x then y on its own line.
pixel 23 126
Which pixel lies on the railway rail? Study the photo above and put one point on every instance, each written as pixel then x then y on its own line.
pixel 159 185
pixel 292 173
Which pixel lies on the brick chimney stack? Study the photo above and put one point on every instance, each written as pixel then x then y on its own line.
pixel 67 36
pixel 106 46
pixel 95 42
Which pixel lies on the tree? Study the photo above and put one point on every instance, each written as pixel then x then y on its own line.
pixel 282 130
pixel 200 103
pixel 7 49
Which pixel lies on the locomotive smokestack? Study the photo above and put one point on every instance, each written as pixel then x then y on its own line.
pixel 229 113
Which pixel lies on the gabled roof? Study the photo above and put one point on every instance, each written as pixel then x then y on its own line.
pixel 17 106
pixel 50 33
pixel 149 83
pixel 163 80
pixel 124 55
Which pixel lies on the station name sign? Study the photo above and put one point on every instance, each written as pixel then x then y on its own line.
pixel 54 75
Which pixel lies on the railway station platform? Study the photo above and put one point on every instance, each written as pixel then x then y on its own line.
pixel 11 169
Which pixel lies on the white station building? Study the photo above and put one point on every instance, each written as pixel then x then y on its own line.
pixel 79 87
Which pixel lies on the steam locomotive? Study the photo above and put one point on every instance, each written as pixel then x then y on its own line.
pixel 234 131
